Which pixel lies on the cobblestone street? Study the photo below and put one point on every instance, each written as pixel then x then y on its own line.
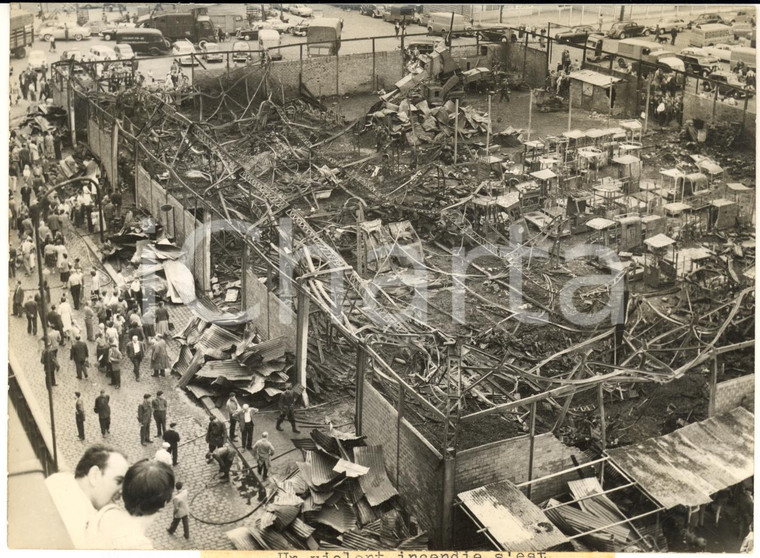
pixel 211 501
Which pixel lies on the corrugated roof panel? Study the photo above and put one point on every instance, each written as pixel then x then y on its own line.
pixel 326 443
pixel 242 539
pixel 364 512
pixel 357 541
pixel 263 352
pixel 195 364
pixel 199 391
pixel 301 528
pixel 375 484
pixel 284 514
pixel 183 360
pixel 216 338
pixel 320 498
pixel 686 466
pixel 420 542
pixel 230 369
pixel 340 517
pixel 304 443
pixel 321 467
pixel 513 521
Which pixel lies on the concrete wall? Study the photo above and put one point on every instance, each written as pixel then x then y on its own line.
pixel 419 478
pixel 533 61
pixel 508 460
pixel 100 140
pixel 150 197
pixel 695 106
pixel 323 75
pixel 274 318
pixel 734 393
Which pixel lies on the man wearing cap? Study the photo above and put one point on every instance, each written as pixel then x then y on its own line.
pixel 246 422
pixel 80 415
pixel 286 405
pixel 114 364
pixel 79 354
pixel 163 454
pixel 159 413
pixel 263 450
pixel 103 410
pixel 143 417
pixel 172 437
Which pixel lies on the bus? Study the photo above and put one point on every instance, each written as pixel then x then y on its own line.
pixel 710 34
pixel 323 36
pixel 177 26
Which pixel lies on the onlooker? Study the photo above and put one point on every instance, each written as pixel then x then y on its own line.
pixel 143 417
pixel 159 413
pixel 159 357
pixel 286 405
pixel 103 410
pixel 246 420
pixel 135 352
pixel 95 483
pixel 181 511
pixel 232 409
pixel 214 434
pixel 172 437
pixel 114 365
pixel 263 450
pixel 30 308
pixel 49 362
pixel 79 354
pixel 79 407
pixel 148 487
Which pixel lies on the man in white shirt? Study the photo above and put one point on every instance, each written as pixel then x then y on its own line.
pixel 94 283
pixel 96 482
pixel 163 454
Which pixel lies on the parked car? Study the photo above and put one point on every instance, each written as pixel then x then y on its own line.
pixel 124 52
pixel 728 85
pixel 744 16
pixel 625 29
pixel 279 26
pixel 720 51
pixel 301 10
pixel 697 64
pixel 668 24
pixel 63 31
pixel 240 51
pixel 372 10
pixel 700 52
pixel 299 29
pixel 109 33
pixel 184 51
pixel 703 19
pixel 577 34
pixel 250 33
pixel 211 52
pixel 37 60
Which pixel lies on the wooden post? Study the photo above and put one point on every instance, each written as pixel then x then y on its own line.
pixel 361 364
pixel 488 131
pixel 603 426
pixel 302 339
pixel 456 127
pixel 374 72
pixel 713 387
pixel 530 112
pixel 533 407
pixel 399 419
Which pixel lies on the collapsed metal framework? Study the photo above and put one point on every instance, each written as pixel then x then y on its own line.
pixel 370 320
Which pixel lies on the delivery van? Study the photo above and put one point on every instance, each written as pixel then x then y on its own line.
pixel 269 40
pixel 439 23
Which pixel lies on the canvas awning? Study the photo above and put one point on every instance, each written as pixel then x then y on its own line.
pixel 689 465
pixel 511 520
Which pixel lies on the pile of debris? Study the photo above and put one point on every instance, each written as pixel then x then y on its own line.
pixel 419 123
pixel 218 359
pixel 338 498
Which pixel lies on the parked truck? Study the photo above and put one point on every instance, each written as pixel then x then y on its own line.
pixel 194 26
pixel 21 32
pixel 323 36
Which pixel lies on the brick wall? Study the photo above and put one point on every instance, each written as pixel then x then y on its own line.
pixel 734 393
pixel 420 475
pixel 274 318
pixel 508 460
pixel 535 63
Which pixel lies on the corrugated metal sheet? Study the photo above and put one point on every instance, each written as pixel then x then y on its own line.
pixel 184 359
pixel 208 310
pixel 326 443
pixel 304 470
pixel 392 529
pixel 375 484
pixel 256 384
pixel 301 528
pixel 180 282
pixel 420 542
pixel 321 467
pixel 512 520
pixel 304 443
pixel 192 330
pixel 216 338
pixel 357 541
pixel 340 517
pixel 263 352
pixel 284 514
pixel 364 512
pixel 199 391
pixel 242 539
pixel 320 497
pixel 270 539
pixel 230 369
pixel 374 527
pixel 351 470
pixel 574 521
pixel 686 466
pixel 195 364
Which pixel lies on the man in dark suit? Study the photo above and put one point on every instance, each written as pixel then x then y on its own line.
pixel 172 437
pixel 49 362
pixel 80 415
pixel 30 308
pixel 144 413
pixel 103 410
pixel 54 321
pixel 79 354
pixel 159 413
pixel 18 299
